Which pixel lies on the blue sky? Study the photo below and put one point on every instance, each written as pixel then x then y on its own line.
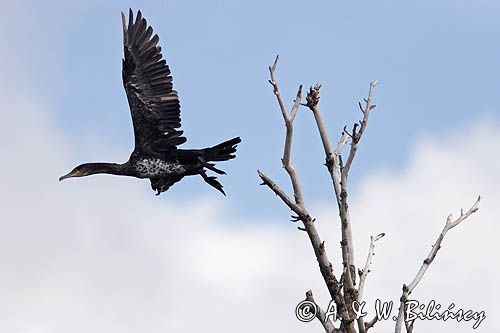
pixel 75 255
pixel 436 63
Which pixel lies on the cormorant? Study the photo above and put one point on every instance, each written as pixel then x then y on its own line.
pixel 155 110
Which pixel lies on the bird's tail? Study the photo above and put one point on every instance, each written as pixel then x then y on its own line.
pixel 223 151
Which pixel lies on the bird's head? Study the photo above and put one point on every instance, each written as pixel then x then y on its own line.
pixel 79 171
pixel 87 169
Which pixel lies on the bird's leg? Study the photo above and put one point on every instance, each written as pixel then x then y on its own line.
pixel 157 186
pixel 212 181
pixel 210 166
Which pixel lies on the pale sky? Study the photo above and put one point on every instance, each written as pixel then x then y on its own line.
pixel 103 254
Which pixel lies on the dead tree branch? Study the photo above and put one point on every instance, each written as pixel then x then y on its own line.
pixel 371 323
pixel 288 118
pixel 407 289
pixel 297 205
pixel 343 291
pixel 321 315
pixel 364 273
pixel 362 326
pixel 339 174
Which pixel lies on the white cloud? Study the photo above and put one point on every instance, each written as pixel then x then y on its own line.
pixel 103 254
pixel 446 172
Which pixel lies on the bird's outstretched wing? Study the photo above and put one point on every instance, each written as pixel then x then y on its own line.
pixel 154 104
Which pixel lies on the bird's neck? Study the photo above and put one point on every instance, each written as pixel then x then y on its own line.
pixel 108 168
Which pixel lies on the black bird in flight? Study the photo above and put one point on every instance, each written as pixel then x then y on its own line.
pixel 155 110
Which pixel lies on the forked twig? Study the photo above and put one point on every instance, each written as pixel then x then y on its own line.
pixel 407 289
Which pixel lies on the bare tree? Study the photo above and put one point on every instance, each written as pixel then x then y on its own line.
pixel 342 286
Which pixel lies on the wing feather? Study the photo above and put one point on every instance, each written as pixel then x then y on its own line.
pixel 147 79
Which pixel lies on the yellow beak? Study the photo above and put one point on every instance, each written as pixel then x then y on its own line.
pixel 77 173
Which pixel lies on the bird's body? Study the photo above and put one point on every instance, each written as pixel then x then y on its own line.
pixel 155 168
pixel 155 110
